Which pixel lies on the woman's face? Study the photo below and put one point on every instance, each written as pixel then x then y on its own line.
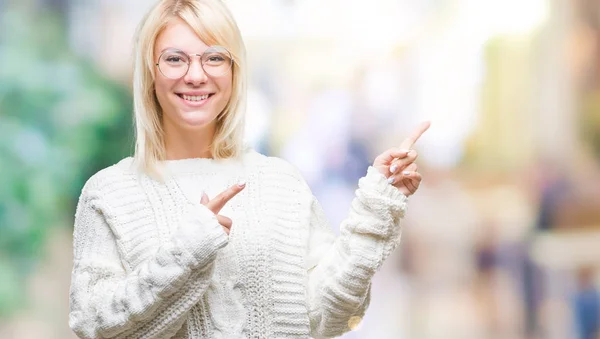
pixel 193 101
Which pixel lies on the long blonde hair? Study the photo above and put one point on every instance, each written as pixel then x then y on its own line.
pixel 212 21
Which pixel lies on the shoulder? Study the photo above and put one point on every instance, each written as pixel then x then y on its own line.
pixel 114 176
pixel 276 170
pixel 273 164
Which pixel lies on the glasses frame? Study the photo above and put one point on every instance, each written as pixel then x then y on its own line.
pixel 190 61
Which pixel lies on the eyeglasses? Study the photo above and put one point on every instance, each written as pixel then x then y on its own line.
pixel 174 63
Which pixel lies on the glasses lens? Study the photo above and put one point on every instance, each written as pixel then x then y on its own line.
pixel 216 61
pixel 173 64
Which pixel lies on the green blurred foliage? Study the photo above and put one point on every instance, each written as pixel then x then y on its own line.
pixel 61 120
pixel 590 122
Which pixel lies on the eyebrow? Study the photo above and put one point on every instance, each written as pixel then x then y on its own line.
pixel 169 48
pixel 180 50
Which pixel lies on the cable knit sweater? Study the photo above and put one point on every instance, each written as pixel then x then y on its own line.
pixel 151 262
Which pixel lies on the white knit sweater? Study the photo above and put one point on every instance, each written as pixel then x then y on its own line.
pixel 151 262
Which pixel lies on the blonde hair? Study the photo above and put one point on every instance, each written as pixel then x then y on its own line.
pixel 214 24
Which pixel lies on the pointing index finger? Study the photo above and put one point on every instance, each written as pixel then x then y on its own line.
pixel 218 202
pixel 409 142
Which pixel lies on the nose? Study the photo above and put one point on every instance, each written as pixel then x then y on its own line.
pixel 195 75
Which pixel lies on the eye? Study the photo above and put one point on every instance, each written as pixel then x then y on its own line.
pixel 174 58
pixel 215 58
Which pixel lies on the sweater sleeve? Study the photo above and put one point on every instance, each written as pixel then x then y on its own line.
pixel 340 269
pixel 152 301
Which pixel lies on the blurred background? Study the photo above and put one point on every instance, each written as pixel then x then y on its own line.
pixel 503 238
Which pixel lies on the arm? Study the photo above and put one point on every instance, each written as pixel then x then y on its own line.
pixel 340 270
pixel 151 301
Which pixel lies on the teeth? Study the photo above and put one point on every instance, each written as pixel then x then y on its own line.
pixel 195 97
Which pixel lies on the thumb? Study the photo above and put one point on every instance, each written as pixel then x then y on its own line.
pixel 204 199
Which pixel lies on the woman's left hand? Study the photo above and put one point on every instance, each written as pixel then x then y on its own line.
pixel 398 163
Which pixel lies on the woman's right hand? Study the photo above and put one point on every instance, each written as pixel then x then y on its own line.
pixel 217 203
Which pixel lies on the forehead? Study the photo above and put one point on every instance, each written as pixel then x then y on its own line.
pixel 177 34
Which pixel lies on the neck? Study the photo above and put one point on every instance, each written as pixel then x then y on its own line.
pixel 185 144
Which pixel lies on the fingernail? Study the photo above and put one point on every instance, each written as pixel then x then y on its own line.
pixel 390 180
pixel 241 184
pixel 406 172
pixel 393 168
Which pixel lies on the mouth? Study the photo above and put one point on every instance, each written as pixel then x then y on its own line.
pixel 194 100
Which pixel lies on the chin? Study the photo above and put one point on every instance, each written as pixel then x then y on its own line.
pixel 197 119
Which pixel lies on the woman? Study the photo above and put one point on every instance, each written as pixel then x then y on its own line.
pixel 155 257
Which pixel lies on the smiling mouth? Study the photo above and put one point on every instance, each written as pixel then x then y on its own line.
pixel 194 98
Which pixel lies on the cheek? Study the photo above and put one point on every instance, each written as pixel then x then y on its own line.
pixel 162 89
pixel 226 86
